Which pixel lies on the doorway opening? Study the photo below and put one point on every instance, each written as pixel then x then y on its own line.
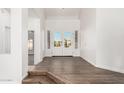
pixel 30 48
pixel 62 43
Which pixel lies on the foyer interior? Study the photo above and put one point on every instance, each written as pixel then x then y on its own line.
pixel 62 45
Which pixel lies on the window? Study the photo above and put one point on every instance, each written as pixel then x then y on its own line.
pixel 48 39
pixel 68 39
pixel 76 39
pixel 5 34
pixel 57 39
pixel 31 42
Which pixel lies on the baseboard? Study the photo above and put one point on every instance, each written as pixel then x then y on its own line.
pixel 25 76
pixel 41 60
pixel 62 56
pixel 105 67
pixel 93 64
pixel 109 68
pixel 8 82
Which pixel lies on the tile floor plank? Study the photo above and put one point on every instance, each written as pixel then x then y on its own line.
pixel 77 71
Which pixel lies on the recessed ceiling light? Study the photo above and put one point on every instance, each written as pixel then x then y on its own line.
pixel 62 8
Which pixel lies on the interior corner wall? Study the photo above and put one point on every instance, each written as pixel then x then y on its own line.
pixel 102 38
pixel 88 34
pixel 24 42
pixel 110 38
pixel 43 25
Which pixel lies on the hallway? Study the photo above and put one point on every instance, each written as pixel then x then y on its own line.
pixel 32 36
pixel 76 70
pixel 62 46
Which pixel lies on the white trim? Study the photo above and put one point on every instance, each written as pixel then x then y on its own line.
pixel 24 76
pixel 109 68
pixel 104 67
pixel 94 64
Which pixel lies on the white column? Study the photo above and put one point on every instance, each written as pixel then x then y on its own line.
pixel 14 66
pixel 19 34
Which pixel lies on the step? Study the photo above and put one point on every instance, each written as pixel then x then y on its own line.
pixel 37 73
pixel 38 80
pixel 58 79
pixel 44 77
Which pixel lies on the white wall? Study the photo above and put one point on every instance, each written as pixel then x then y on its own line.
pixel 43 25
pixel 13 67
pixel 88 34
pixel 62 25
pixel 34 25
pixel 102 38
pixel 4 32
pixel 38 14
pixel 24 42
pixel 110 38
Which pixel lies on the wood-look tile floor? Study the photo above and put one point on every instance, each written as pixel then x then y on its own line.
pixel 38 80
pixel 78 71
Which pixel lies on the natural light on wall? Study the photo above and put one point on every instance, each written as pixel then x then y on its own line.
pixel 5 42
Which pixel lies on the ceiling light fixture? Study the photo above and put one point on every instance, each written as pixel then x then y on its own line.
pixel 62 8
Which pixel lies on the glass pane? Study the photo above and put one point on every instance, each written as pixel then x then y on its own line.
pixel 48 39
pixel 57 39
pixel 67 39
pixel 31 42
pixel 76 39
pixel 5 42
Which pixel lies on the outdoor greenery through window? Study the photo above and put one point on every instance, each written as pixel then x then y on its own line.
pixel 57 39
pixel 67 39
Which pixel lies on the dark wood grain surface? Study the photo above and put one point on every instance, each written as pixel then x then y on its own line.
pixel 77 71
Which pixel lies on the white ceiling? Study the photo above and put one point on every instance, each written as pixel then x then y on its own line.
pixel 5 10
pixel 62 12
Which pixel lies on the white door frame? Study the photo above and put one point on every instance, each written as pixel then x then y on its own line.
pixel 62 51
pixel 56 51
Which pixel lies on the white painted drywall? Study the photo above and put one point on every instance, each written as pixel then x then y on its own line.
pixel 24 42
pixel 102 45
pixel 43 25
pixel 88 34
pixel 62 13
pixel 38 13
pixel 110 38
pixel 13 66
pixel 62 25
pixel 34 25
pixel 4 32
